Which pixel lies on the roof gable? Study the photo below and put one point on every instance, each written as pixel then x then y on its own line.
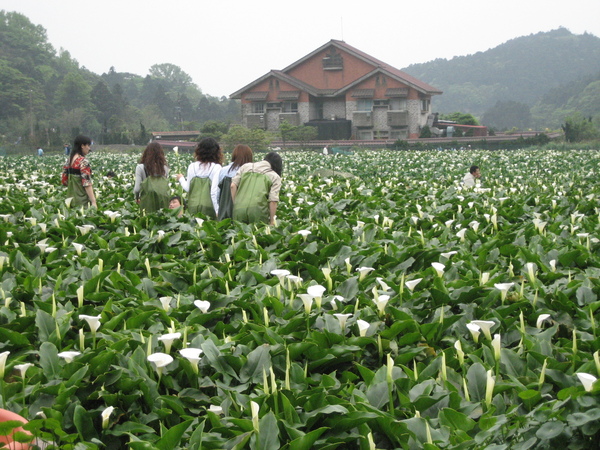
pixel 339 75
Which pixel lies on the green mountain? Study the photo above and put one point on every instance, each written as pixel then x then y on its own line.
pixel 530 76
pixel 46 98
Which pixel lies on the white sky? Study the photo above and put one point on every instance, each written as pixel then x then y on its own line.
pixel 224 44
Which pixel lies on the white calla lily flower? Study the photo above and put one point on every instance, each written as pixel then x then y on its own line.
pixel 485 326
pixel 475 331
pixel 92 321
pixel 587 380
pixel 411 284
pixel 160 361
pixel 439 268
pixel 69 356
pixel 541 319
pixel 363 326
pixel 343 319
pixel 202 305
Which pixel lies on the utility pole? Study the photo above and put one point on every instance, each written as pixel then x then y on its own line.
pixel 31 136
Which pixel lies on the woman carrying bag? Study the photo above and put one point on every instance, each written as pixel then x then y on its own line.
pixel 77 174
pixel 202 183
pixel 151 188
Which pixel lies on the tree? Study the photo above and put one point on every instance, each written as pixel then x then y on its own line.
pixel 214 129
pixel 425 132
pixel 257 139
pixel 73 92
pixel 286 130
pixel 507 114
pixel 577 128
pixel 460 118
pixel 304 134
pixel 176 79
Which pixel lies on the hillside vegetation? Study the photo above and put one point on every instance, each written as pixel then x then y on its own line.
pixel 47 97
pixel 531 81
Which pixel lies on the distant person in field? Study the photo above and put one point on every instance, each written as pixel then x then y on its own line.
pixel 255 190
pixel 176 203
pixel 151 189
pixel 202 183
pixel 473 175
pixel 241 155
pixel 40 151
pixel 77 174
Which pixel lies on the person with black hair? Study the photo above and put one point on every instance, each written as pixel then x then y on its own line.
pixel 202 182
pixel 472 176
pixel 255 190
pixel 77 174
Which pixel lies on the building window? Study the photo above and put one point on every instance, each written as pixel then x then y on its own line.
pixel 379 134
pixel 333 61
pixel 398 104
pixel 364 104
pixel 384 103
pixel 258 107
pixel 365 135
pixel 398 134
pixel 425 102
pixel 290 107
pixel 274 105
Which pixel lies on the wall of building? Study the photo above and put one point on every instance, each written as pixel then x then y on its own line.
pixel 311 71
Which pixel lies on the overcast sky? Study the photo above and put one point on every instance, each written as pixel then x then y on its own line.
pixel 224 45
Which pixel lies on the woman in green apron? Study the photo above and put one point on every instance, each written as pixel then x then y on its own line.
pixel 151 188
pixel 255 190
pixel 77 174
pixel 202 182
pixel 241 155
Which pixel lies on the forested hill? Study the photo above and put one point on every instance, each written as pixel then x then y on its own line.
pixel 521 70
pixel 46 97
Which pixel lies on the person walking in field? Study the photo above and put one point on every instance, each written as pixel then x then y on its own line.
pixel 77 174
pixel 202 182
pixel 151 189
pixel 241 155
pixel 255 190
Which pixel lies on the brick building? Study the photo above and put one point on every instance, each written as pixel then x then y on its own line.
pixel 344 92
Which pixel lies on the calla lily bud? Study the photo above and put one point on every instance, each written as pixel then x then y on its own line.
pixel 106 416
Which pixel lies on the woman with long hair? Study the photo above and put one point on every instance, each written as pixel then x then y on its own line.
pixel 151 188
pixel 255 190
pixel 77 174
pixel 202 182
pixel 241 155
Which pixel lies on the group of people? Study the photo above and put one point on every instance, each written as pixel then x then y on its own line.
pixel 243 190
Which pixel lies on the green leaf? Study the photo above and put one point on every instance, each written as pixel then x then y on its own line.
pixel 307 441
pixel 172 437
pixel 550 430
pixel 456 420
pixel 259 362
pixel 476 382
pixel 84 423
pixel 49 360
pixel 268 434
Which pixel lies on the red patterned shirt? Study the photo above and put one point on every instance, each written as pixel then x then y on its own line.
pixel 80 167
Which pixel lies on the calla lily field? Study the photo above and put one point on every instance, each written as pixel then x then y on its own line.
pixel 395 309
